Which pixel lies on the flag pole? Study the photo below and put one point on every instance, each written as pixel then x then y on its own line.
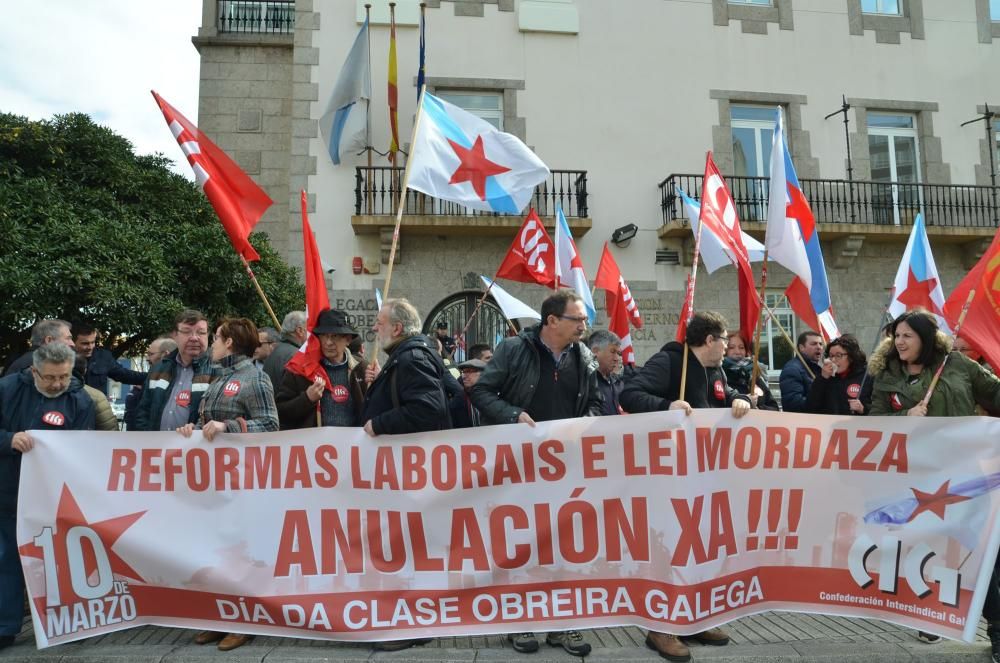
pixel 393 153
pixel 260 291
pixel 402 196
pixel 795 348
pixel 478 306
pixel 958 326
pixel 755 374
pixel 368 114
pixel 694 278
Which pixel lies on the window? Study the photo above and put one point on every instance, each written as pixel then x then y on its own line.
pixel 756 3
pixel 485 105
pixel 995 10
pixel 887 7
pixel 895 162
pixel 775 350
pixel 753 131
pixel 269 16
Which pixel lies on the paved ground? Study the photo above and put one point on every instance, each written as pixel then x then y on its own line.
pixel 773 636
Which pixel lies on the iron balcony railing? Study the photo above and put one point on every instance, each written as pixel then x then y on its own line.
pixel 260 16
pixel 376 193
pixel 844 201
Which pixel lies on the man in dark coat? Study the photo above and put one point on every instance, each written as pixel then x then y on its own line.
pixel 101 364
pixel 543 373
pixel 795 379
pixel 44 332
pixel 293 335
pixel 44 397
pixel 407 396
pixel 607 349
pixel 463 413
pixel 657 387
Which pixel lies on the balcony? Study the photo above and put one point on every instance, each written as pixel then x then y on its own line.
pixel 274 17
pixel 848 212
pixel 376 199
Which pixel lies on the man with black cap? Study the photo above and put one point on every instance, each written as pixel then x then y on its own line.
pixel 448 344
pixel 342 403
pixel 463 413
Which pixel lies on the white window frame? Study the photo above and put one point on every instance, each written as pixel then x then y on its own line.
pixel 770 331
pixel 752 3
pixel 763 167
pixel 905 132
pixel 880 8
pixel 494 117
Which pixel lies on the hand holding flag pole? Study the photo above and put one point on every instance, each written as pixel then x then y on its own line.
pixel 958 326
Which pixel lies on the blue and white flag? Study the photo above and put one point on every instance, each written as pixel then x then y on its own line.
pixel 344 125
pixel 461 158
pixel 569 267
pixel 512 307
pixel 713 254
pixel 917 283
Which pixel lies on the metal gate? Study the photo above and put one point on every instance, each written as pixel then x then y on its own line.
pixel 489 326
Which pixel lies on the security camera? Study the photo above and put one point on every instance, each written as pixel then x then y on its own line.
pixel 330 269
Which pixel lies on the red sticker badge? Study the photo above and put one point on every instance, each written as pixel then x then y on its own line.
pixel 183 398
pixel 853 390
pixel 232 388
pixel 896 404
pixel 340 394
pixel 53 418
pixel 720 391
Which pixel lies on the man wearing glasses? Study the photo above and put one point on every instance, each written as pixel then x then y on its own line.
pixel 46 397
pixel 268 338
pixel 175 385
pixel 543 373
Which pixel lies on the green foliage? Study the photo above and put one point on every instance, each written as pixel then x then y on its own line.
pixel 89 230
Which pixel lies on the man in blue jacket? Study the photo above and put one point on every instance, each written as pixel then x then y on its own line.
pixel 795 379
pixel 101 364
pixel 44 397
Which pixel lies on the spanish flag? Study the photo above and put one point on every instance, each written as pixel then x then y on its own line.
pixel 393 89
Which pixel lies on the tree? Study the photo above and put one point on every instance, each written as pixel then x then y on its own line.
pixel 91 231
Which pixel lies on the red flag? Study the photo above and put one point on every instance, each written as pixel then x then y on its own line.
pixel 610 279
pixel 618 318
pixel 306 362
pixel 718 213
pixel 687 310
pixel 981 327
pixel 237 199
pixel 531 257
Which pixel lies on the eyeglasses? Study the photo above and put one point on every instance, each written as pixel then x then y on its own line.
pixel 582 319
pixel 837 355
pixel 52 379
pixel 268 342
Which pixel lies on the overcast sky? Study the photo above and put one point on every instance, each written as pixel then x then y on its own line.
pixel 102 58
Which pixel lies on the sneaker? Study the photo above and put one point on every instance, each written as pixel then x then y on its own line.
pixel 523 642
pixel 929 638
pixel 713 636
pixel 668 646
pixel 399 645
pixel 571 641
pixel 993 630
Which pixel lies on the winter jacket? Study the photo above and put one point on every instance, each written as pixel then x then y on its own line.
pixel 831 395
pixel 795 383
pixel 160 382
pixel 295 410
pixel 507 386
pixel 104 417
pixel 274 365
pixel 657 385
pixel 963 384
pixel 738 374
pixel 241 397
pixel 463 413
pixel 408 396
pixel 23 408
pixel 103 365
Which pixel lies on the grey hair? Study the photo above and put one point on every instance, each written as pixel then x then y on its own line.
pixel 272 333
pixel 602 338
pixel 293 321
pixel 46 327
pixel 166 344
pixel 405 313
pixel 53 353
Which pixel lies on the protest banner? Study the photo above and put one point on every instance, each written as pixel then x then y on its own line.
pixel 668 522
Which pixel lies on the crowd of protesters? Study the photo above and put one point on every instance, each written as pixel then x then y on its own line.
pixel 246 379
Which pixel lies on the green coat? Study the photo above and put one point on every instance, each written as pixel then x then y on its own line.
pixel 963 384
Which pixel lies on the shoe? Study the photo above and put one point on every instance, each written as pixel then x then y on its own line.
pixel 715 637
pixel 523 642
pixel 6 641
pixel 206 637
pixel 234 640
pixel 571 641
pixel 929 638
pixel 399 645
pixel 668 646
pixel 993 630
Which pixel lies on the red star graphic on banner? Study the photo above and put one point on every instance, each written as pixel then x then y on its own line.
pixel 935 502
pixel 918 293
pixel 69 515
pixel 475 167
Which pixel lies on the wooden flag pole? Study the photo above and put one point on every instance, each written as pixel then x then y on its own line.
pixel 479 305
pixel 755 374
pixel 958 326
pixel 795 348
pixel 694 278
pixel 260 291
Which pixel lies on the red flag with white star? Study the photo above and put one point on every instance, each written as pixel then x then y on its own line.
pixel 236 198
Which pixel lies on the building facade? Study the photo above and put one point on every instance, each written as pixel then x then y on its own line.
pixel 622 100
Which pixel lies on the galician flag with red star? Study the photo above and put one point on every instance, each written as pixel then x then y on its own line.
pixel 917 283
pixel 461 158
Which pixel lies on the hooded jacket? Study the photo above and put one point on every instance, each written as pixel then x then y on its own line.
pixel 507 386
pixel 408 394
pixel 963 383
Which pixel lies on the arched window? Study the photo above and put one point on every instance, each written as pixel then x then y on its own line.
pixel 489 326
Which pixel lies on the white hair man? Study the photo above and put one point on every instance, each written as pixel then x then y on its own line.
pixel 293 335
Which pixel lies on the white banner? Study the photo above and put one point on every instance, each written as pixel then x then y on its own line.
pixel 667 522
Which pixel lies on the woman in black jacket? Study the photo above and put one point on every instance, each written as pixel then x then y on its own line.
pixel 738 366
pixel 843 386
